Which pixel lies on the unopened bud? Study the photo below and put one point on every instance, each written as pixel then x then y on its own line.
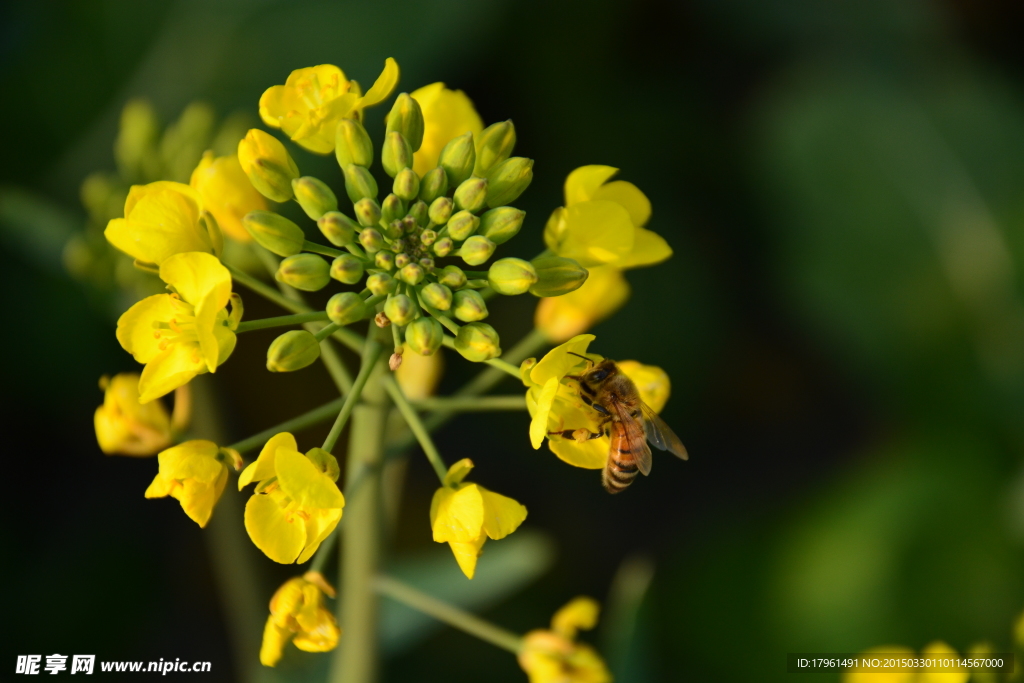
pixel 291 351
pixel 427 263
pixel 345 308
pixel 557 275
pixel 407 184
pixel 452 277
pixel 384 259
pixel 348 269
pixel 395 361
pixel 471 194
pixel 428 237
pixel 411 274
pixel 418 214
pixel 359 184
pixel 444 246
pixel 135 146
pixel 372 240
pixel 511 276
pixel 468 306
pixel 501 224
pixel 462 224
pixel 400 309
pixel 478 342
pixel 402 260
pixel 476 250
pixel 433 185
pixel 458 158
pixel 367 211
pixel 493 146
pixel 507 180
pixel 424 336
pixel 440 210
pixel 394 230
pixel 406 117
pixel 396 154
pixel 381 283
pixel 314 196
pixel 392 209
pixel 437 296
pixel 267 163
pixel 274 232
pixel 352 144
pixel 339 229
pixel 308 272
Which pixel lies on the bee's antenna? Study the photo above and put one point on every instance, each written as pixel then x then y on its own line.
pixel 573 353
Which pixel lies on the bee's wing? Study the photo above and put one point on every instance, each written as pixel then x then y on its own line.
pixel 661 435
pixel 636 437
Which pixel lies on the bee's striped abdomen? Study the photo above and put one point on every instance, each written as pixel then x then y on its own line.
pixel 621 469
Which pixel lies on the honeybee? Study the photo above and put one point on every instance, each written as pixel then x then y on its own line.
pixel 626 419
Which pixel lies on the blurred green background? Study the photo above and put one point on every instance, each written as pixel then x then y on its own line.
pixel 842 320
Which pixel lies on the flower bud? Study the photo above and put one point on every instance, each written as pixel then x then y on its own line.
pixel 394 231
pixel 274 232
pixel 308 272
pixel 381 283
pixel 501 224
pixel 557 275
pixel 314 196
pixel 372 240
pixel 418 214
pixel 338 228
pixel 427 263
pixel 381 320
pixel 424 336
pixel 411 274
pixel 392 209
pixel 437 296
pixel 293 350
pixel 406 117
pixel 267 163
pixel 135 146
pixel 348 269
pixel 400 310
pixel 345 308
pixel 395 361
pixel 511 276
pixel 476 250
pixel 352 144
pixel 458 158
pixel 359 184
pixel 367 211
pixel 471 195
pixel 402 259
pixel 462 225
pixel 452 277
pixel 493 146
pixel 407 184
pixel 444 246
pixel 428 237
pixel 384 259
pixel 507 180
pixel 478 342
pixel 468 306
pixel 396 154
pixel 433 185
pixel 440 210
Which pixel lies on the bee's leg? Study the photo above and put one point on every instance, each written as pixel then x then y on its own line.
pixel 579 435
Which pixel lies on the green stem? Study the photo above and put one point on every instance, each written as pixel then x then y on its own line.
pixel 281 321
pixel 315 416
pixel 320 249
pixel 496 363
pixel 326 331
pixel 323 553
pixel 266 291
pixel 453 616
pixel 471 404
pixel 371 354
pixel 416 425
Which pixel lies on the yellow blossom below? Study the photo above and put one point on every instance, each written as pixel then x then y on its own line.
pixel 125 426
pixel 447 114
pixel 297 614
pixel 563 317
pixel 161 219
pixel 465 515
pixel 419 375
pixel 225 191
pixel 180 335
pixel 554 656
pixel 937 649
pixel 312 101
pixel 195 474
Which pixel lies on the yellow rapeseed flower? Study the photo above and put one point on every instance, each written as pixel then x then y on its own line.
pixel 125 426
pixel 937 649
pixel 297 614
pixel 554 656
pixel 465 515
pixel 555 405
pixel 195 474
pixel 563 317
pixel 162 219
pixel 312 101
pixel 186 333
pixel 447 114
pixel 225 191
pixel 296 504
pixel 419 375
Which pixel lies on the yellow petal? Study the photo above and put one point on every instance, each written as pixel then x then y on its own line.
pixel 227 193
pixel 940 650
pixel 648 249
pixel 541 412
pixel 447 114
pixel 318 527
pixel 458 472
pixel 653 383
pixel 466 554
pixel 458 515
pixel 125 426
pixel 137 192
pixel 272 106
pixel 173 368
pixel 590 455
pixel 502 515
pixel 198 498
pixel 274 640
pixel 304 483
pixel 596 232
pixel 630 197
pixel 160 223
pixel 136 330
pixel 204 282
pixel 383 86
pixel 195 459
pixel 160 487
pixel 562 317
pixel 271 531
pixel 578 613
pixel 581 185
pixel 263 467
pixel 560 361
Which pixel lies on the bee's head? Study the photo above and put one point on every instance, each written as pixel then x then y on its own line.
pixel 601 371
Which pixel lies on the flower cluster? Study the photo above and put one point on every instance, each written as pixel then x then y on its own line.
pixel 554 656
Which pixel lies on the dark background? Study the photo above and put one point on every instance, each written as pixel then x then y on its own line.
pixel 842 321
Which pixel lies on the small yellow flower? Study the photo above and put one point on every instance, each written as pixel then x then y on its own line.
pixel 225 191
pixel 555 405
pixel 465 515
pixel 161 219
pixel 297 614
pixel 296 504
pixel 125 426
pixel 312 101
pixel 419 375
pixel 554 656
pixel 194 473
pixel 184 334
pixel 937 649
pixel 447 114
pixel 563 317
